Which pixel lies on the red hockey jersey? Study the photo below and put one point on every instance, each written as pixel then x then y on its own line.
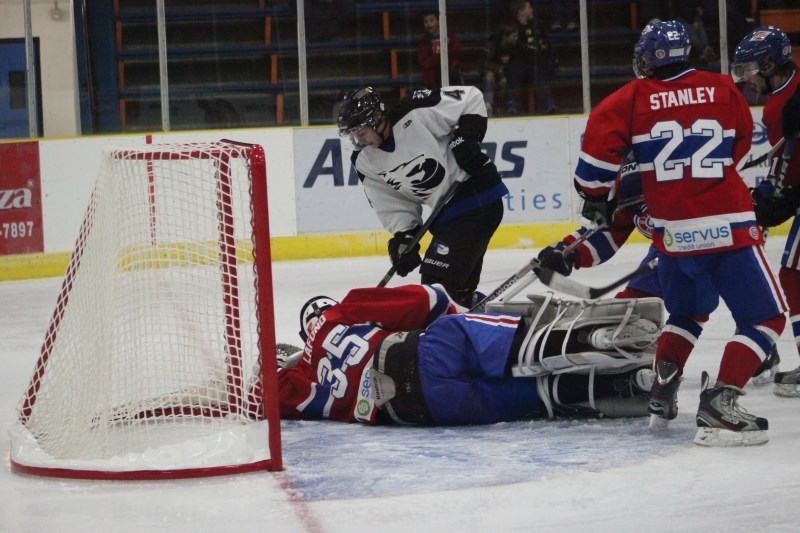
pixel 330 380
pixel 688 134
pixel 772 120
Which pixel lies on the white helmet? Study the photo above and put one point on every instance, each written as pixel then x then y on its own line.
pixel 311 311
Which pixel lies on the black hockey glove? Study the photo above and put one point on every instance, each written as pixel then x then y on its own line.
pixel 598 211
pixel 554 258
pixel 468 154
pixel 404 258
pixel 775 210
pixel 790 116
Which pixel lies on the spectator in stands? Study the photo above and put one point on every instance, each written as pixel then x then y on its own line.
pixel 564 14
pixel 496 56
pixel 690 13
pixel 532 63
pixel 324 18
pixel 428 54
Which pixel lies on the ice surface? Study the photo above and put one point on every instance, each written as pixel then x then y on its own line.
pixel 611 475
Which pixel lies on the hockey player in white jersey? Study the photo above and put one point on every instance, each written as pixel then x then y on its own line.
pixel 414 154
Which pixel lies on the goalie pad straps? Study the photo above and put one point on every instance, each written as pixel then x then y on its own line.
pixel 616 394
pixel 568 336
pixel 548 388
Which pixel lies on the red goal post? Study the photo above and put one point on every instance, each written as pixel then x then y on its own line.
pixel 164 320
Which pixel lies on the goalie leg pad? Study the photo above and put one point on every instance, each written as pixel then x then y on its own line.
pixel 614 395
pixel 566 336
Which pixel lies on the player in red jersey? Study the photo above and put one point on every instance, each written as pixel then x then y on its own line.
pixel 688 130
pixel 763 62
pixel 405 355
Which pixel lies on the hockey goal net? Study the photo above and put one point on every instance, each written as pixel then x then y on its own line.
pixel 164 320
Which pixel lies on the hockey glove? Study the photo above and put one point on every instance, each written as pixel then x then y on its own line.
pixel 468 154
pixel 775 210
pixel 405 258
pixel 790 116
pixel 287 355
pixel 553 258
pixel 598 211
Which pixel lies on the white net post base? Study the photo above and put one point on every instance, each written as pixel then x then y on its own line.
pixel 165 312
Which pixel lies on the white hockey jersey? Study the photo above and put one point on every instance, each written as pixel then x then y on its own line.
pixel 415 166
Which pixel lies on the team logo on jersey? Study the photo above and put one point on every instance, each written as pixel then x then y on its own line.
pixel 644 224
pixel 363 408
pixel 420 176
pixel 419 94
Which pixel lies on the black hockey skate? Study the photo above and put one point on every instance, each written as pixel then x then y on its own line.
pixel 722 422
pixel 663 405
pixel 769 368
pixel 787 384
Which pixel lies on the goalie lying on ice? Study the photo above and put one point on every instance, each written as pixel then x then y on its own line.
pixel 406 355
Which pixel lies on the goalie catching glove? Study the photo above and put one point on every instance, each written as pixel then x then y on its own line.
pixel 405 257
pixel 553 258
pixel 468 154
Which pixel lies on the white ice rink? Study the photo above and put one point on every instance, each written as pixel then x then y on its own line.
pixel 610 475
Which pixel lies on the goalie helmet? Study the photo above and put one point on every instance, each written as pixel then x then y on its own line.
pixel 661 43
pixel 311 311
pixel 759 50
pixel 360 108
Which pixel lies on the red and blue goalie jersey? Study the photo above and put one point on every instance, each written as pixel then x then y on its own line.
pixel 688 134
pixel 330 381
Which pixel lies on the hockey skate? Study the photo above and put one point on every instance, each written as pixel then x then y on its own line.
pixel 768 369
pixel 635 335
pixel 722 422
pixel 663 405
pixel 787 384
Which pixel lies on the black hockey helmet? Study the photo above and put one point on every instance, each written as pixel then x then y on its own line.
pixel 311 311
pixel 360 108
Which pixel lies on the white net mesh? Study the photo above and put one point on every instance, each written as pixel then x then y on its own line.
pixel 156 331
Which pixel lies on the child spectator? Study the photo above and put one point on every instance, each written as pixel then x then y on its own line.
pixel 532 63
pixel 496 55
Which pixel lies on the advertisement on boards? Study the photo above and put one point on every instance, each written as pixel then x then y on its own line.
pixel 20 199
pixel 532 156
pixel 328 194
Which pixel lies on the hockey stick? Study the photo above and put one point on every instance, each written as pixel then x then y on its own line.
pixel 528 268
pixel 533 264
pixel 561 283
pixel 765 156
pixel 425 227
